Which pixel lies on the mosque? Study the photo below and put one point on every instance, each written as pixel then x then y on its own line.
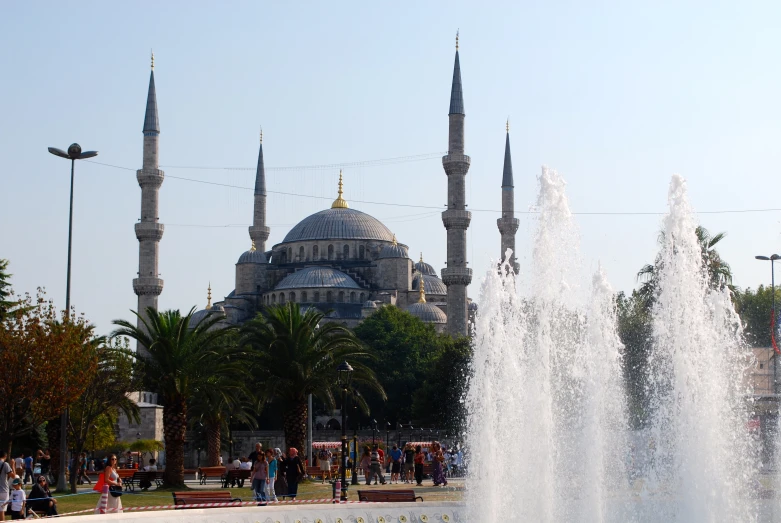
pixel 340 259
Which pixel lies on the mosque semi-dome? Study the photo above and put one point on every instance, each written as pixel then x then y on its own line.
pixel 427 312
pixel 252 256
pixel 394 250
pixel 317 277
pixel 433 284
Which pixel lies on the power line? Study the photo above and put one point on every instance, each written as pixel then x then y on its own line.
pixel 300 195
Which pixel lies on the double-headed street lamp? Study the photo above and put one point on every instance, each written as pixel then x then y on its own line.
pixel 344 374
pixel 74 153
pixel 772 258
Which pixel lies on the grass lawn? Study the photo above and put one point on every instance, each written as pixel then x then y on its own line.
pixel 306 490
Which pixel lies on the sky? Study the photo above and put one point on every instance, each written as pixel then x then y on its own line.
pixel 616 96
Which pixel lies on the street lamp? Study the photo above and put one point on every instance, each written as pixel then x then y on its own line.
pixel 74 153
pixel 344 374
pixel 772 258
pixel 354 479
pixel 374 430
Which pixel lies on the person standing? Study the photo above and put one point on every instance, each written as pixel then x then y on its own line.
pixel 83 470
pixel 366 465
pixel 255 454
pixel 420 458
pixel 409 463
pixel 376 466
pixel 280 485
pixel 439 458
pixel 294 472
pixel 28 468
pixel 272 475
pixel 41 501
pixel 324 460
pixel 395 457
pixel 17 499
pixel 112 479
pixel 259 478
pixel 6 475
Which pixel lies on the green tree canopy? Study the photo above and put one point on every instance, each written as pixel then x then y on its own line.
pixel 754 309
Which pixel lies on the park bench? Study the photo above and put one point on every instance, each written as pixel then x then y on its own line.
pixel 211 473
pixel 154 476
pixel 126 475
pixel 235 477
pixel 315 472
pixel 388 495
pixel 195 497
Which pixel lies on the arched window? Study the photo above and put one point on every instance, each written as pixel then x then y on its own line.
pixel 317 296
pixel 273 298
pixel 315 252
pixel 330 252
pixel 329 297
pixel 303 297
pixel 301 256
pixel 352 297
pixel 281 297
pixel 363 297
pixel 283 256
pixel 290 254
pixel 341 296
pixel 361 252
pixel 292 297
pixel 346 251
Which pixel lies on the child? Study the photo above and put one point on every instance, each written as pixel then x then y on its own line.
pixel 17 500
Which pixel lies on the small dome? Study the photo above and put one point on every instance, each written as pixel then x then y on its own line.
pixel 427 312
pixel 394 250
pixel 433 284
pixel 370 305
pixel 424 268
pixel 317 277
pixel 202 314
pixel 252 256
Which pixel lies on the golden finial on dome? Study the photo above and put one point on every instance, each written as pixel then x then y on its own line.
pixel 394 242
pixel 457 31
pixel 508 124
pixel 209 297
pixel 421 256
pixel 340 203
pixel 252 248
pixel 153 60
pixel 422 290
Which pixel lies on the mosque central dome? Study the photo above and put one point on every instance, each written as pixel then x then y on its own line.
pixel 339 223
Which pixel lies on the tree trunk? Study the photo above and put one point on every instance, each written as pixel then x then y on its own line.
pixel 53 435
pixel 174 427
pixel 295 426
pixel 213 443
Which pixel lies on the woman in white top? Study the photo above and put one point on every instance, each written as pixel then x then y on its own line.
pixel 111 478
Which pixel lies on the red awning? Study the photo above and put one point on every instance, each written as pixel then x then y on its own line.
pixel 327 445
pixel 423 444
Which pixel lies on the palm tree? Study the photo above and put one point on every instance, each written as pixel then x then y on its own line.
pixel 718 271
pixel 295 356
pixel 180 361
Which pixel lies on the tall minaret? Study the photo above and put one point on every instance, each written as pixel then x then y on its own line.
pixel 148 230
pixel 258 231
pixel 508 223
pixel 456 218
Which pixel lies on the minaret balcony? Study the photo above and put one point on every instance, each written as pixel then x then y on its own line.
pixel 259 232
pixel 149 231
pixel 456 163
pixel 148 286
pixel 150 177
pixel 456 276
pixel 455 219
pixel 508 225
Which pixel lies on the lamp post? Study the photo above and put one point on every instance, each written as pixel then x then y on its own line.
pixel 354 478
pixel 74 153
pixel 772 258
pixel 343 376
pixel 94 430
pixel 374 431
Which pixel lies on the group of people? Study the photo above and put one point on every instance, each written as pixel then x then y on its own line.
pixel 274 473
pixel 406 465
pixel 13 498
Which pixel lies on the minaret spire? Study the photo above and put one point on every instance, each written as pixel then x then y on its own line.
pixel 258 231
pixel 508 223
pixel 456 218
pixel 340 202
pixel 149 231
pixel 209 297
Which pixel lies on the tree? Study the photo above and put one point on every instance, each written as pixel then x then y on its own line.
pixel 106 391
pixel 635 330
pixel 403 346
pixel 180 359
pixel 45 364
pixel 719 272
pixel 754 309
pixel 5 289
pixel 440 398
pixel 294 356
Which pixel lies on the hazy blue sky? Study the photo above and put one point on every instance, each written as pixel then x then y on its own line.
pixel 617 96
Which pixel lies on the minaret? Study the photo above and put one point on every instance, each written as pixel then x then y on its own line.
pixel 456 218
pixel 148 230
pixel 508 223
pixel 258 231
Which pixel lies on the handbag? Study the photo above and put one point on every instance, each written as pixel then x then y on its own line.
pixel 115 490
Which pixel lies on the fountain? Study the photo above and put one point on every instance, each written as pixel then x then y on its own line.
pixel 547 428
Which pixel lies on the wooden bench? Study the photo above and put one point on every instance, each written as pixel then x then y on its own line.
pixel 126 475
pixel 211 473
pixel 194 497
pixel 388 495
pixel 235 476
pixel 155 476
